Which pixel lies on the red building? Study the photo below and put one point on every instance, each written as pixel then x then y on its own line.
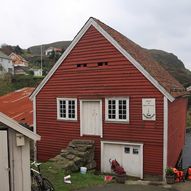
pixel 108 89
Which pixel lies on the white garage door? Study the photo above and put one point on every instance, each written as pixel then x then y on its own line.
pixel 130 156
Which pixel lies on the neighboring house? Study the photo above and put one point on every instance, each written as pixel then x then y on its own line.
pixel 21 70
pixel 15 155
pixel 49 51
pixel 188 89
pixel 37 72
pixel 108 89
pixel 6 65
pixel 18 106
pixel 18 60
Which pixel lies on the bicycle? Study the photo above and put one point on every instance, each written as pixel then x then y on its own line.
pixel 38 182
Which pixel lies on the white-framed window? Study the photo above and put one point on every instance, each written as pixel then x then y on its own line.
pixel 117 109
pixel 67 108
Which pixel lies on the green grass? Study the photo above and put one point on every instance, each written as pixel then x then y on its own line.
pixel 56 175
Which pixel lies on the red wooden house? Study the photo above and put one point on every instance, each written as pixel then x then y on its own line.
pixel 108 89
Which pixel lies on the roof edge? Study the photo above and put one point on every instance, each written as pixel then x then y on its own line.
pixel 17 127
pixel 133 61
pixel 61 59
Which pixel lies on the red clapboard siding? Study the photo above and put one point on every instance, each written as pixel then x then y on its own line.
pixel 176 131
pixel 118 78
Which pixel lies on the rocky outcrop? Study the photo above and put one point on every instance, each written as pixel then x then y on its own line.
pixel 78 153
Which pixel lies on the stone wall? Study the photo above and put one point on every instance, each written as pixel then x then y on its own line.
pixel 78 153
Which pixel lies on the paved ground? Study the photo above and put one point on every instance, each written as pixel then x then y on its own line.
pixel 186 186
pixel 125 187
pixel 187 151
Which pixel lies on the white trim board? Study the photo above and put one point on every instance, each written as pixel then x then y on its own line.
pixel 92 22
pixel 165 134
pixel 17 127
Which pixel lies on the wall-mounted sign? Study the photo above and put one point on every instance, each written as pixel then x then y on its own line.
pixel 148 109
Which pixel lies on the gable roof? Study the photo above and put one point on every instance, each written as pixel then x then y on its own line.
pixel 137 55
pixel 17 127
pixel 19 58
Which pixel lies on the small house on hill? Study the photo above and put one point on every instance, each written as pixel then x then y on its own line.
pixel 19 63
pixel 108 89
pixel 49 51
pixel 6 65
pixel 18 60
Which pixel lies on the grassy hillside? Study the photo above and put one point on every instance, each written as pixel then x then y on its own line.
pixel 36 50
pixel 173 65
pixel 168 60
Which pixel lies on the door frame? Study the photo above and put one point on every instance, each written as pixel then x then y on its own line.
pixel 121 143
pixel 101 114
pixel 8 157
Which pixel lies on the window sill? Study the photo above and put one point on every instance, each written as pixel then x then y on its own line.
pixel 120 122
pixel 67 120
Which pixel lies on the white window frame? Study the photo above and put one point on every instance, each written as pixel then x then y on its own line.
pixel 117 109
pixel 58 109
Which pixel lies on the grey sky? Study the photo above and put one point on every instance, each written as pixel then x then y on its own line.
pixel 158 24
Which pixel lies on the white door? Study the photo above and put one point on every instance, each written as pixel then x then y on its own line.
pixel 132 160
pixel 4 170
pixel 91 117
pixel 130 157
pixel 111 153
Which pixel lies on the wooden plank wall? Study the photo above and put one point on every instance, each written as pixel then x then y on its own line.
pixel 118 78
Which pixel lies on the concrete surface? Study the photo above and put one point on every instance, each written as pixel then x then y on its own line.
pixel 183 186
pixel 142 185
pixel 126 187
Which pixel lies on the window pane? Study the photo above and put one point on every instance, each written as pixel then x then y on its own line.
pixel 111 109
pixel 127 150
pixel 71 109
pixel 122 109
pixel 62 108
pixel 135 151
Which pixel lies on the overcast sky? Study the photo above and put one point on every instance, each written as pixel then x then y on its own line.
pixel 157 24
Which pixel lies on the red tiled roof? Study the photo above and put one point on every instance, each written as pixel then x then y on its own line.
pixel 142 56
pixel 18 106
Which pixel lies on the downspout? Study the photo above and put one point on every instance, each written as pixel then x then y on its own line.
pixel 165 134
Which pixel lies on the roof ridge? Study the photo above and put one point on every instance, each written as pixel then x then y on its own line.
pixel 143 57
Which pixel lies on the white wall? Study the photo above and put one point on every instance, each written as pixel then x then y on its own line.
pixel 37 72
pixel 7 64
pixel 19 164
